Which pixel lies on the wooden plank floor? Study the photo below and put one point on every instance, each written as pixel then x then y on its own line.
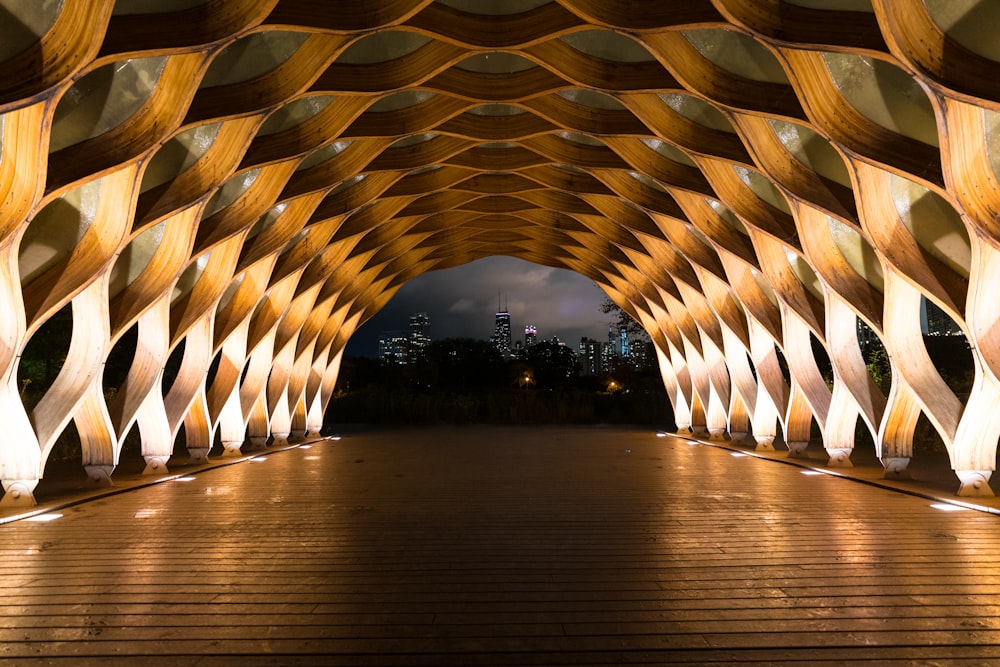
pixel 494 546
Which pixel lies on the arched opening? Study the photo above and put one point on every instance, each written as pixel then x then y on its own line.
pixel 500 340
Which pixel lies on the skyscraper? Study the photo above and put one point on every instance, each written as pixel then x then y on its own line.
pixel 590 356
pixel 530 333
pixel 623 339
pixel 501 333
pixel 934 321
pixel 392 348
pixel 419 337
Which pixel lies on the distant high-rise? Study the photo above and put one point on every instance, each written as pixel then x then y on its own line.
pixel 395 348
pixel 501 332
pixel 419 334
pixel 611 338
pixel 590 356
pixel 934 321
pixel 392 348
pixel 530 333
pixel 623 340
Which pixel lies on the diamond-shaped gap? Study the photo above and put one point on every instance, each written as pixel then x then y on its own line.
pixel 41 361
pixel 948 348
pixel 172 367
pixel 875 355
pixel 43 357
pixel 119 362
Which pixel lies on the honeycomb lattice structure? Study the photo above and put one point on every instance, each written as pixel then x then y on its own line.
pixel 242 183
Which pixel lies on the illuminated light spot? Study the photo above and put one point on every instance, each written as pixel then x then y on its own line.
pixel 143 514
pixel 737 454
pixel 311 458
pixel 48 516
pixel 693 442
pixel 185 479
pixel 305 446
pixel 811 472
pixel 948 507
pixel 334 437
pixel 259 458
pixel 661 434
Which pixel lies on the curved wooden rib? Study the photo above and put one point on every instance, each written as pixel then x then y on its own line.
pixel 62 52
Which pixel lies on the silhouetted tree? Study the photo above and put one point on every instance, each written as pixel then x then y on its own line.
pixel 554 365
pixel 623 319
pixel 460 364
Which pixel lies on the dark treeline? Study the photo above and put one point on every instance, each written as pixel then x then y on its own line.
pixel 465 381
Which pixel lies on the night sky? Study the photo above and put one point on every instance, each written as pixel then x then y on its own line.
pixel 462 303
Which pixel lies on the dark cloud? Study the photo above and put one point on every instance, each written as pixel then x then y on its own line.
pixel 462 303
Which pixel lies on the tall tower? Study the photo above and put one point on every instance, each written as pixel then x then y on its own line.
pixel 420 338
pixel 501 330
pixel 530 333
pixel 623 339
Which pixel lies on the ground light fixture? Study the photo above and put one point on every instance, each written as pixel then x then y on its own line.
pixel 948 507
pixel 48 516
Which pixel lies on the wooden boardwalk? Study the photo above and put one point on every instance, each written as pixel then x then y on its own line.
pixel 487 546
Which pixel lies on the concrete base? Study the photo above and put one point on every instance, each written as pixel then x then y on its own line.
pixel 280 439
pixel 100 475
pixel 156 465
pixel 717 434
pixel 18 492
pixel 765 443
pixel 896 468
pixel 839 458
pixel 974 483
pixel 296 436
pixel 256 443
pixel 198 456
pixel 797 450
pixel 231 448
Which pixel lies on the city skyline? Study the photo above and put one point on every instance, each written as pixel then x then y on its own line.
pixel 462 303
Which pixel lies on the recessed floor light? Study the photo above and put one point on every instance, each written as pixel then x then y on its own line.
pixel 334 437
pixel 48 516
pixel 948 507
pixel 305 446
pixel 737 454
pixel 259 458
pixel 311 458
pixel 811 472
pixel 188 478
